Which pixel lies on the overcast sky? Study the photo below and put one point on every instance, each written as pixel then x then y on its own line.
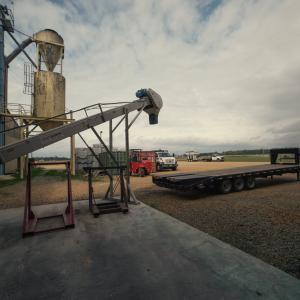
pixel 228 71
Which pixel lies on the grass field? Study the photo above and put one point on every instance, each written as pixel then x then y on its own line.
pixel 58 174
pixel 248 158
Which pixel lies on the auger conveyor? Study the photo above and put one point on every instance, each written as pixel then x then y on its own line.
pixel 149 101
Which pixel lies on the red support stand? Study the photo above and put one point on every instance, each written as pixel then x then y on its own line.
pixel 31 221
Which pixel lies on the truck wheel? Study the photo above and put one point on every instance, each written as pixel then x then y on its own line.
pixel 250 183
pixel 238 184
pixel 224 186
pixel 174 168
pixel 142 172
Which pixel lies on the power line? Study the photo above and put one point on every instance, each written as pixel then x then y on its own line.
pixel 19 31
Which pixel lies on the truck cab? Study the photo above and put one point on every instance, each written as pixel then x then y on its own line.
pixel 141 168
pixel 165 161
pixel 142 163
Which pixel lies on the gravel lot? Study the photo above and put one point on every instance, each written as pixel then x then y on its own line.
pixel 264 222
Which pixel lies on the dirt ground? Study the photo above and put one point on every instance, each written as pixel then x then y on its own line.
pixel 48 189
pixel 264 222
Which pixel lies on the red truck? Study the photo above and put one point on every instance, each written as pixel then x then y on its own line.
pixel 142 162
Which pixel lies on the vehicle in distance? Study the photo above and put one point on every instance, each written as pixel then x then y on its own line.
pixel 195 156
pixel 165 161
pixel 217 157
pixel 142 163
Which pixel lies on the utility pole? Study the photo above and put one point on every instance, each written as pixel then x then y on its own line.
pixel 2 100
pixel 5 25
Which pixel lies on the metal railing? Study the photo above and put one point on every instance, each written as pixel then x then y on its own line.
pixel 22 108
pixel 28 79
pixel 17 109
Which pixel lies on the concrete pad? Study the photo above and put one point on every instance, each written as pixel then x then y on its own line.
pixel 141 255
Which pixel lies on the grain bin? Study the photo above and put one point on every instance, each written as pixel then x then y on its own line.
pixel 49 97
pixel 49 86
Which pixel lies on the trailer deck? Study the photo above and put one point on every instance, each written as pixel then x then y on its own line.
pixel 197 180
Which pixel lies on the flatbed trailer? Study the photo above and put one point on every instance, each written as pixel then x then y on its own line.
pixel 227 180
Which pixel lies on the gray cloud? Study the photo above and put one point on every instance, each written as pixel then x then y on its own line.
pixel 228 71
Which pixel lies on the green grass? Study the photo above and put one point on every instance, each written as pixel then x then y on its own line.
pixel 59 175
pixel 14 180
pixel 247 158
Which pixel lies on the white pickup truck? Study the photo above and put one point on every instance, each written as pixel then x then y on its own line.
pixel 217 157
pixel 195 156
pixel 165 161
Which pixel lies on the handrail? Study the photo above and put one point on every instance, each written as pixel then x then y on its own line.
pixel 149 101
pixel 89 107
pixel 17 149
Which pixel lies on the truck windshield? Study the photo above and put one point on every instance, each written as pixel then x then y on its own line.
pixel 164 154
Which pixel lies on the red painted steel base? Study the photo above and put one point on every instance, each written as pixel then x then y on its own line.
pixel 31 221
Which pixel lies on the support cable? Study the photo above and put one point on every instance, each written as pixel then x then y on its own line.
pixel 22 49
pixel 95 155
pixel 19 31
pixel 106 148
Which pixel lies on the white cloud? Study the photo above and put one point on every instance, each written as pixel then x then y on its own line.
pixel 227 79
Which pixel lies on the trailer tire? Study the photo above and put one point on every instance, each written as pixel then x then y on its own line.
pixel 238 184
pixel 142 172
pixel 250 183
pixel 224 186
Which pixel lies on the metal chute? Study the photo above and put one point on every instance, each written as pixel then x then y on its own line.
pixel 50 46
